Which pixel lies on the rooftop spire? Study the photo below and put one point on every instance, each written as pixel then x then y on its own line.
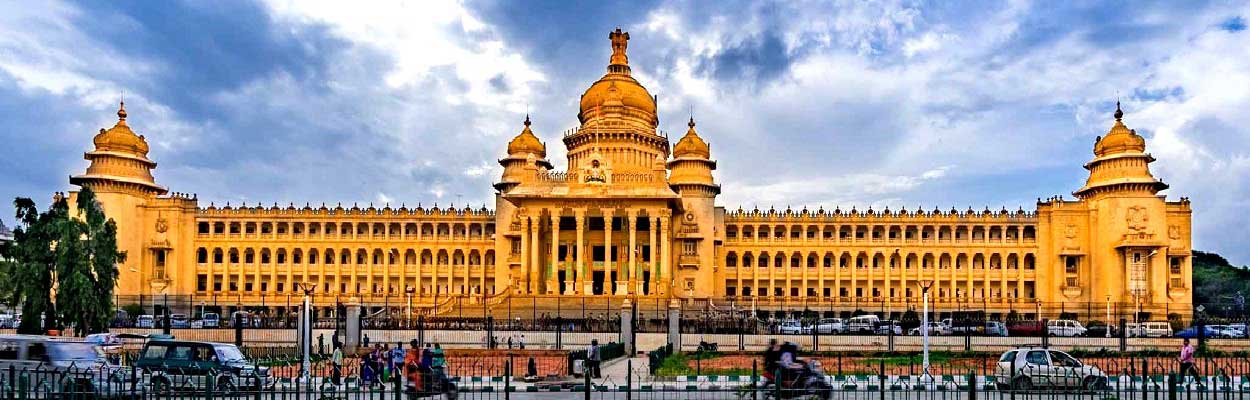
pixel 1118 113
pixel 620 41
pixel 121 111
pixel 691 123
pixel 527 119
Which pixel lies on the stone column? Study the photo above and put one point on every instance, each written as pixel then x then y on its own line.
pixel 552 275
pixel 634 284
pixel 609 285
pixel 352 340
pixel 666 264
pixel 525 254
pixel 627 327
pixel 535 271
pixel 652 231
pixel 674 324
pixel 582 283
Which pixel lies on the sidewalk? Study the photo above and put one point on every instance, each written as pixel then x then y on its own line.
pixel 616 371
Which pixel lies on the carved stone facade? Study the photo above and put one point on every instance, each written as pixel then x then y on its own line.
pixel 634 215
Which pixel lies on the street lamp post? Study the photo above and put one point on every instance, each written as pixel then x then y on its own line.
pixel 925 284
pixel 305 330
pixel 1108 316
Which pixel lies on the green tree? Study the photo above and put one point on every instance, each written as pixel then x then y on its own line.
pixel 77 253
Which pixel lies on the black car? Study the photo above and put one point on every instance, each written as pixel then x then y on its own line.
pixel 188 365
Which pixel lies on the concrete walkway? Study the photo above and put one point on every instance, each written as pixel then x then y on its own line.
pixel 616 371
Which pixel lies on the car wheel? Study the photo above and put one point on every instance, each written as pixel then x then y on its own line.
pixel 1023 384
pixel 161 385
pixel 225 385
pixel 1092 383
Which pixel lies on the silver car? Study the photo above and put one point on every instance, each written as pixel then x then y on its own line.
pixel 63 367
pixel 1029 369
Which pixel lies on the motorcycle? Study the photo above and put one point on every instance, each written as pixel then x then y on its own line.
pixel 431 383
pixel 808 380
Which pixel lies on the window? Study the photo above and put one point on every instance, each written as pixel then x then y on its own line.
pixel 160 258
pixel 688 248
pixel 155 352
pixel 8 350
pixel 1037 358
pixel 201 283
pixel 516 246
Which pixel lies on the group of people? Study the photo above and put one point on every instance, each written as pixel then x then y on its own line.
pixel 385 364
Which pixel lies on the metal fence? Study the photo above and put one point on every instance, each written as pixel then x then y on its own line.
pixel 1155 379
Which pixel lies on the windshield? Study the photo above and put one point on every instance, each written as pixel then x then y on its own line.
pixel 73 352
pixel 229 354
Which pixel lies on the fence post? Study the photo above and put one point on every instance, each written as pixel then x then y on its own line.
pixel 1123 335
pixel 507 378
pixel 586 378
pixel 629 379
pixel 881 378
pixel 1172 386
pixel 972 384
pixel 1045 333
pixel 755 379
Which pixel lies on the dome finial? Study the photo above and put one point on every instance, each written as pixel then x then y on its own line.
pixel 1118 113
pixel 620 41
pixel 527 119
pixel 691 123
pixel 121 111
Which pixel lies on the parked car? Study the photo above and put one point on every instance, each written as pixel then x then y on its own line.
pixel 177 364
pixel 935 329
pixel 1065 327
pixel 1026 328
pixel 863 324
pixel 179 321
pixel 1227 331
pixel 211 320
pixel 62 367
pixel 145 321
pixel 1099 329
pixel 790 327
pixel 6 321
pixel 888 326
pixel 1028 369
pixel 1192 332
pixel 830 326
pixel 995 328
pixel 1148 329
pixel 1239 328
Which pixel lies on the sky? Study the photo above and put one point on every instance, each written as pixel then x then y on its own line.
pixel 824 104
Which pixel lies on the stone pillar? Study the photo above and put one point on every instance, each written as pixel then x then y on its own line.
pixel 627 327
pixel 535 271
pixel 635 284
pixel 655 255
pixel 552 275
pixel 610 286
pixel 351 341
pixel 674 324
pixel 525 255
pixel 666 259
pixel 582 281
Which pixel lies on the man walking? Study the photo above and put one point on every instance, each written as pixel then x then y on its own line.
pixel 336 365
pixel 1187 361
pixel 593 359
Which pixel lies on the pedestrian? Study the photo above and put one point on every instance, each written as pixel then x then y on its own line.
pixel 365 341
pixel 1187 361
pixel 592 359
pixel 521 342
pixel 509 342
pixel 397 361
pixel 321 344
pixel 336 365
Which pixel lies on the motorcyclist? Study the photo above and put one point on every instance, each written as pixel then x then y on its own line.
pixel 788 365
pixel 771 355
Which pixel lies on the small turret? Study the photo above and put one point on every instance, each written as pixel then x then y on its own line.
pixel 120 161
pixel 1120 164
pixel 523 150
pixel 691 165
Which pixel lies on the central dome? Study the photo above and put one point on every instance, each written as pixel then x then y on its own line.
pixel 618 89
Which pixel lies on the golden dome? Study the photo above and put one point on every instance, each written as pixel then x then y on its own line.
pixel 1120 139
pixel 691 145
pixel 120 138
pixel 526 143
pixel 617 87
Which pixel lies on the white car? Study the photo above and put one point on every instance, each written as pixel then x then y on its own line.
pixel 1149 329
pixel 1028 369
pixel 830 326
pixel 1065 327
pixel 790 327
pixel 889 326
pixel 145 321
pixel 935 329
pixel 863 324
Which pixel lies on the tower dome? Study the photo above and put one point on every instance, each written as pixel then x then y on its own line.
pixel 1120 139
pixel 691 145
pixel 119 161
pixel 526 143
